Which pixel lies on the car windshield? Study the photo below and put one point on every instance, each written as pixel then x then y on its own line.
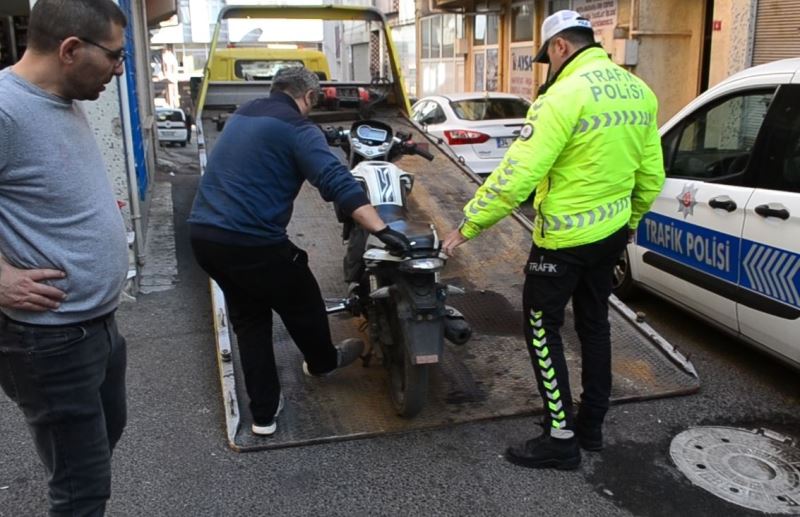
pixel 172 116
pixel 252 69
pixel 489 109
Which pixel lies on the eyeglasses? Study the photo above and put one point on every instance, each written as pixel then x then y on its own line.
pixel 117 55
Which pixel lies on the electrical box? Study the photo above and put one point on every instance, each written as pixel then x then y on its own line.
pixel 626 52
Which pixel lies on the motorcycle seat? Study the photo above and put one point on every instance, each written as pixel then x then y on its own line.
pixel 421 235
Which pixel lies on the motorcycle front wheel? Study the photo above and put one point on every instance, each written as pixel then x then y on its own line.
pixel 408 383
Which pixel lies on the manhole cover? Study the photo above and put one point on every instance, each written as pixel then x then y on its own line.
pixel 756 469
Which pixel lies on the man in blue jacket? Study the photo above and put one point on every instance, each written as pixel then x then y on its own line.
pixel 268 149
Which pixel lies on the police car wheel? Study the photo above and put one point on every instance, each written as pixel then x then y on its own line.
pixel 623 285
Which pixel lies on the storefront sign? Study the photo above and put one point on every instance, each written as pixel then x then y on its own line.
pixel 522 71
pixel 603 15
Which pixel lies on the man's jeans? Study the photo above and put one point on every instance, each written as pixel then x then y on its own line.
pixel 70 384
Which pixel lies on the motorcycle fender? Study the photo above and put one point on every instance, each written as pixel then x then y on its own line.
pixel 424 339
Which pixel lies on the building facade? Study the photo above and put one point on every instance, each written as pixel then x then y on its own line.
pixel 488 45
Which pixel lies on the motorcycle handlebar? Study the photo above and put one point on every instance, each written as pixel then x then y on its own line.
pixel 422 152
pixel 334 135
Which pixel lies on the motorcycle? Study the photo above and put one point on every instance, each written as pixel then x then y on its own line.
pixel 401 298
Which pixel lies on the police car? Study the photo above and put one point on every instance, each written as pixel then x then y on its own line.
pixel 723 237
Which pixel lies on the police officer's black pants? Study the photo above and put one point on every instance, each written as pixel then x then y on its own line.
pixel 584 274
pixel 257 280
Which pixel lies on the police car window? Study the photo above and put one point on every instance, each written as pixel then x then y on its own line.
pixel 790 172
pixel 781 150
pixel 715 143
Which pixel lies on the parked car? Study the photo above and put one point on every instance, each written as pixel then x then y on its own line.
pixel 477 127
pixel 173 126
pixel 723 238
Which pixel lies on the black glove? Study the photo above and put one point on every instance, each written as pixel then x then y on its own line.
pixel 396 242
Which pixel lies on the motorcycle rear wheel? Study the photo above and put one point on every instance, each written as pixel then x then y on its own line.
pixel 408 383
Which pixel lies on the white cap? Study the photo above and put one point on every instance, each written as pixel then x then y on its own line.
pixel 558 22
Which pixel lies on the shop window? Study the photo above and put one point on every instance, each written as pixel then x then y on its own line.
pixel 436 36
pixel 487 29
pixel 479 64
pixel 449 35
pixel 439 35
pixel 554 6
pixel 426 37
pixel 492 29
pixel 492 70
pixel 522 28
pixel 480 30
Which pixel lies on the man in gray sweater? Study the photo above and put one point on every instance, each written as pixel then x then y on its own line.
pixel 63 251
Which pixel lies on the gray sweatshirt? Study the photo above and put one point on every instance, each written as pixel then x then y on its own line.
pixel 57 209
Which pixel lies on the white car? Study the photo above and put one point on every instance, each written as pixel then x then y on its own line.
pixel 723 237
pixel 477 127
pixel 172 126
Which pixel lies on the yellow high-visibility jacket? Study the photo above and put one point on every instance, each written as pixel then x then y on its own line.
pixel 590 147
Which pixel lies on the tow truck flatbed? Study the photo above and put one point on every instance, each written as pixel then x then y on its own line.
pixel 490 377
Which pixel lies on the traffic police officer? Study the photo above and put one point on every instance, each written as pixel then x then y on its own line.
pixel 591 150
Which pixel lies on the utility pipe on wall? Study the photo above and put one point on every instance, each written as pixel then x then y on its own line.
pixel 133 183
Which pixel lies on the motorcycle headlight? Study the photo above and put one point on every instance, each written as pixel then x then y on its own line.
pixel 422 265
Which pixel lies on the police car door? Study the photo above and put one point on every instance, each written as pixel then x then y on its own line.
pixel 688 244
pixel 769 302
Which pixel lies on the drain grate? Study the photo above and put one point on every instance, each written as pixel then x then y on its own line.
pixel 757 469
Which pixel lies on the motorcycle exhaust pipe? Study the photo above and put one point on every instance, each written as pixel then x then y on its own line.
pixel 457 330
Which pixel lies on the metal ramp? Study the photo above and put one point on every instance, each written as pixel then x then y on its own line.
pixel 488 378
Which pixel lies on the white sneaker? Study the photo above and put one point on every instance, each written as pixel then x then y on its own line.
pixel 269 429
pixel 309 374
pixel 346 353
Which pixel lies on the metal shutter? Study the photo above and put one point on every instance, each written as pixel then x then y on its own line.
pixel 777 30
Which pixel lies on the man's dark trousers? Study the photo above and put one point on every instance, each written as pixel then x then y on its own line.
pixel 257 280
pixel 69 382
pixel 583 273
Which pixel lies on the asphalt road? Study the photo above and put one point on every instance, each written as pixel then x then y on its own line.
pixel 173 459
